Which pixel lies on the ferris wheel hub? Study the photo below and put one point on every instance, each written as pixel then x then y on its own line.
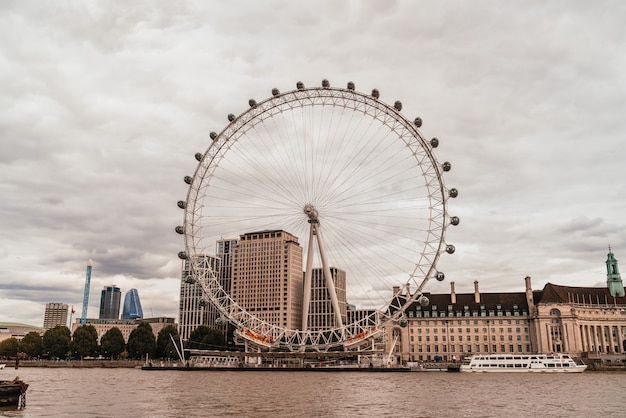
pixel 312 213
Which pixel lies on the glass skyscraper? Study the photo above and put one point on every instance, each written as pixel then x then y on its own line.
pixel 110 302
pixel 132 305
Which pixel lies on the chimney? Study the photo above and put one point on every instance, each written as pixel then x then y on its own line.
pixel 452 294
pixel 396 291
pixel 476 294
pixel 529 295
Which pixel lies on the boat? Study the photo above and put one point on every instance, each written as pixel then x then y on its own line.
pixel 537 363
pixel 13 392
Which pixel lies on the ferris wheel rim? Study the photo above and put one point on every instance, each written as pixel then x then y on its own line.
pixel 288 101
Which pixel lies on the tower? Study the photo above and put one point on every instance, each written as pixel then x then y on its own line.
pixel 267 277
pixel 83 317
pixel 194 308
pixel 613 278
pixel 55 314
pixel 132 305
pixel 110 300
pixel 321 315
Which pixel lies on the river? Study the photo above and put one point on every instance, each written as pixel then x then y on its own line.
pixel 106 392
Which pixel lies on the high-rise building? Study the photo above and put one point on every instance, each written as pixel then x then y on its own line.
pixel 267 279
pixel 55 314
pixel 132 305
pixel 321 314
pixel 195 309
pixel 110 300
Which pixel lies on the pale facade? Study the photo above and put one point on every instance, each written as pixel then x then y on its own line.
pixel 126 326
pixel 583 322
pixel 321 313
pixel 195 309
pixel 454 325
pixel 267 279
pixel 55 314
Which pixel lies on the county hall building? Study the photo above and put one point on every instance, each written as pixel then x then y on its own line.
pixel 586 322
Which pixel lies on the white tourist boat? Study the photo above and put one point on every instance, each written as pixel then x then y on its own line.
pixel 538 363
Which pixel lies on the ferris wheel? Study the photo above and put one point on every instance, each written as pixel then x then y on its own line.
pixel 356 189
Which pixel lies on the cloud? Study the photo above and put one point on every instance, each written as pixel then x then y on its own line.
pixel 105 106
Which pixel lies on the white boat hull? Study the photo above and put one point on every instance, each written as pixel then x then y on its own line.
pixel 532 363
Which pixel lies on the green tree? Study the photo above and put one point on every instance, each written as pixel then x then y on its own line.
pixel 32 344
pixel 112 343
pixel 56 341
pixel 85 341
pixel 141 341
pixel 165 348
pixel 8 347
pixel 206 338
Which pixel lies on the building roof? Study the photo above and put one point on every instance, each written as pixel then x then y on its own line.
pixel 553 293
pixel 488 301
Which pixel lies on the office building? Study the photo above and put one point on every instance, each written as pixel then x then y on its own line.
pixel 267 279
pixel 132 305
pixel 195 308
pixel 110 300
pixel 55 314
pixel 321 315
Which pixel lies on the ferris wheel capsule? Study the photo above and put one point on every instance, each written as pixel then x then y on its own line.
pixel 418 122
pixel 450 249
pixel 455 220
pixel 179 230
pixel 440 276
pixel 423 300
pixel 446 166
pixel 453 193
pixel 188 179
pixel 252 102
pixel 350 85
pixel 398 105
pixel 325 83
pixel 182 255
pixel 300 85
pixel 213 135
pixel 182 204
pixel 198 156
pixel 275 92
pixel 231 117
pixel 375 94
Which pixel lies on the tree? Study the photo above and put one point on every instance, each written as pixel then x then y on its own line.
pixel 8 347
pixel 85 341
pixel 165 348
pixel 112 343
pixel 141 341
pixel 206 338
pixel 56 341
pixel 32 344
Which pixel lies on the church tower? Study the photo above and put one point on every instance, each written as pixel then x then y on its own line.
pixel 613 278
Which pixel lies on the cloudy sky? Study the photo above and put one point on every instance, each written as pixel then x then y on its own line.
pixel 105 103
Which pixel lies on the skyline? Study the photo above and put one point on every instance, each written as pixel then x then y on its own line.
pixel 106 107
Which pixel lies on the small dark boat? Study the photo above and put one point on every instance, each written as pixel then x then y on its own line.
pixel 13 392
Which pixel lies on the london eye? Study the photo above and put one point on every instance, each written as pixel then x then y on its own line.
pixel 354 182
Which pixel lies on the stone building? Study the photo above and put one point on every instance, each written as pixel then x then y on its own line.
pixel 582 321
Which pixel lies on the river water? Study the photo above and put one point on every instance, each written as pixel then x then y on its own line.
pixel 68 392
